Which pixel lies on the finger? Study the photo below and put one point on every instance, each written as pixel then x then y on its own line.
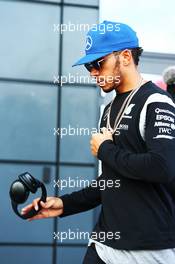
pixel 92 149
pixel 103 129
pixel 93 152
pixel 36 217
pixel 27 208
pixel 35 204
pixel 30 206
pixel 94 135
pixel 45 213
pixel 106 131
pixel 48 204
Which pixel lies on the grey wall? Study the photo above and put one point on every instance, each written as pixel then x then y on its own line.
pixel 31 106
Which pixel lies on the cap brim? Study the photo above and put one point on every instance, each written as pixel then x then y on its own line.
pixel 90 57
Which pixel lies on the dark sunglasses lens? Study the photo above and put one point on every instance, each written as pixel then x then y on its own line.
pixel 92 65
pixel 88 66
pixel 96 65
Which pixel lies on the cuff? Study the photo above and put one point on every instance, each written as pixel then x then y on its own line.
pixel 103 149
pixel 66 205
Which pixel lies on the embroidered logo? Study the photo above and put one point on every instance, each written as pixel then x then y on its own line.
pixel 128 111
pixel 88 42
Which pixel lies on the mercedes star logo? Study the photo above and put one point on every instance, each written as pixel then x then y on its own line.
pixel 88 42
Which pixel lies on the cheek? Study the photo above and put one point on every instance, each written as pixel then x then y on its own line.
pixel 118 75
pixel 107 77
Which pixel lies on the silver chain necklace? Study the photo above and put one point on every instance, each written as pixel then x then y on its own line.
pixel 122 110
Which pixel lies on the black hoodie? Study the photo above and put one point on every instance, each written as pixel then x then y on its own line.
pixel 142 160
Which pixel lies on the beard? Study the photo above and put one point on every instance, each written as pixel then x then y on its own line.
pixel 118 76
pixel 108 90
pixel 107 86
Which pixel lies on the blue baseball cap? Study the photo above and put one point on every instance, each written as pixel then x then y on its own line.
pixel 106 37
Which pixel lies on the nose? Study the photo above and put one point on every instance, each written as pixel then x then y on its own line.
pixel 94 72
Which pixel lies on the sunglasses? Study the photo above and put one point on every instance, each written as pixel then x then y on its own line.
pixel 93 65
pixel 97 63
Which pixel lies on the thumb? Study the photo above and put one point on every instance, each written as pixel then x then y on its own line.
pixel 103 129
pixel 47 204
pixel 106 131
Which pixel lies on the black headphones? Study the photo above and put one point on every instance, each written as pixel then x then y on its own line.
pixel 19 192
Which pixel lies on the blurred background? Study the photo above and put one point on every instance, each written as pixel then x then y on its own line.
pixel 32 52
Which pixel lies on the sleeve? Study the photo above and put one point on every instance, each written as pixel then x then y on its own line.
pixel 157 163
pixel 87 198
pixel 83 200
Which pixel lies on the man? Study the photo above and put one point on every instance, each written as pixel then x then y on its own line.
pixel 169 79
pixel 136 146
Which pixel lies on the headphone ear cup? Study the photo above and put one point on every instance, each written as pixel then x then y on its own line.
pixel 29 181
pixel 19 192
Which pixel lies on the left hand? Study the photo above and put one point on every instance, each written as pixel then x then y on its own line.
pixel 98 138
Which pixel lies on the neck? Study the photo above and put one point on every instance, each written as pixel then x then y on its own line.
pixel 130 81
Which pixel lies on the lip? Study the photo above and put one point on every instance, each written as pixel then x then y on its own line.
pixel 100 81
pixel 101 86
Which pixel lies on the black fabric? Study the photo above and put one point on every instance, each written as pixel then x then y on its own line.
pixel 91 256
pixel 141 212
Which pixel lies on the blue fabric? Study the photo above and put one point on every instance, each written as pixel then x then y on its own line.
pixel 106 37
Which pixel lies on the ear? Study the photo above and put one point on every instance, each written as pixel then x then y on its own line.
pixel 126 57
